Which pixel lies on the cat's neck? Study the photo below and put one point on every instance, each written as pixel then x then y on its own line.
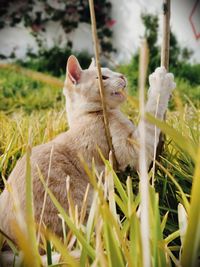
pixel 85 111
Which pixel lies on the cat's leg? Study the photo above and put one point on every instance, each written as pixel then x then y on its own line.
pixel 161 86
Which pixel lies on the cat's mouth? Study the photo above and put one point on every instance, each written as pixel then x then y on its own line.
pixel 119 94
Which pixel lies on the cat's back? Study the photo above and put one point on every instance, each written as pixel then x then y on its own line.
pixel 54 162
pixel 86 134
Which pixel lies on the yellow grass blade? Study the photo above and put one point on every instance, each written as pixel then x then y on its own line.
pixel 31 228
pixel 185 143
pixel 65 255
pixel 191 246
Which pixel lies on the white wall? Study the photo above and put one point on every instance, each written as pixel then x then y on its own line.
pixel 128 30
pixel 19 39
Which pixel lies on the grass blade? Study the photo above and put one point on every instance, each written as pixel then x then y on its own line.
pixel 185 143
pixel 191 244
pixel 68 221
pixel 113 251
pixel 49 254
pixel 65 255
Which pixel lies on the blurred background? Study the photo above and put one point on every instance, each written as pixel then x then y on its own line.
pixel 61 23
pixel 40 35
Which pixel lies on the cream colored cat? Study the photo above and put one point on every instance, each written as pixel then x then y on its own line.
pixel 86 132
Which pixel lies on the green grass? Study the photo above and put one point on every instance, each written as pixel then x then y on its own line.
pixel 27 90
pixel 186 91
pixel 111 235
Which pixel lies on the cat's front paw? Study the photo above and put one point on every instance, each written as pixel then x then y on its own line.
pixel 161 81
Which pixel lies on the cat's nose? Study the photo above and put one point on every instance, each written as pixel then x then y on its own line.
pixel 122 77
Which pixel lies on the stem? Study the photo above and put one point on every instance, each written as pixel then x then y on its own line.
pixel 166 34
pixel 101 87
pixel 144 181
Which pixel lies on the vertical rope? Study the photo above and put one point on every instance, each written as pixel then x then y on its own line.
pixel 166 34
pixel 101 87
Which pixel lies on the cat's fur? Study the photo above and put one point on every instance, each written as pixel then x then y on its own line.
pixel 86 132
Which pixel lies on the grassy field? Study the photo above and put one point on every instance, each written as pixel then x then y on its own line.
pixel 32 108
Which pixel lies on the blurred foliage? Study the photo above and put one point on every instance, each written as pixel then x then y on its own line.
pixel 17 91
pixel 53 60
pixel 131 71
pixel 188 92
pixel 179 60
pixel 190 73
pixel 36 14
pixel 178 55
pixel 151 25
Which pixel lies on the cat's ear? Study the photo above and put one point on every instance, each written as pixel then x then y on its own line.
pixel 73 69
pixel 92 64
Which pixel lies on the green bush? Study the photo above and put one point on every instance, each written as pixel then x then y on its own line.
pixel 187 91
pixel 189 73
pixel 53 60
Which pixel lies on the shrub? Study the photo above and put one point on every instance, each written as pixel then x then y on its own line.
pixel 53 60
pixel 189 73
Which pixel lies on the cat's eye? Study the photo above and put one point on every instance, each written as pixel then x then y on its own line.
pixel 103 77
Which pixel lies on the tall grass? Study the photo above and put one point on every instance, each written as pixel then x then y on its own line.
pixel 111 235
pixel 28 90
pixel 14 134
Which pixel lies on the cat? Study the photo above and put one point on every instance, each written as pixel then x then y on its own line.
pixel 59 158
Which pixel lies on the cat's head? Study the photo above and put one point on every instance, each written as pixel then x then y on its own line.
pixel 82 88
